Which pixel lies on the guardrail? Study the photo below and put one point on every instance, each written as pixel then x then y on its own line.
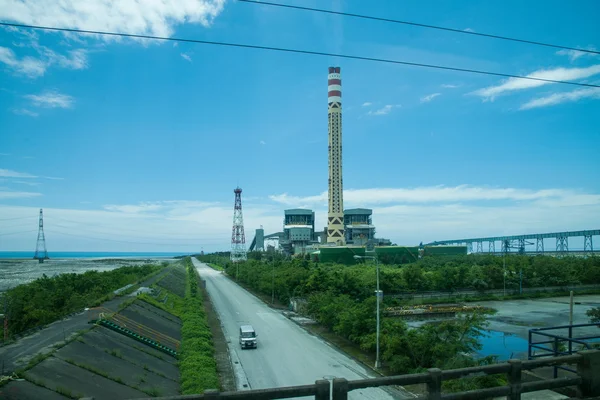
pixel 555 340
pixel 587 381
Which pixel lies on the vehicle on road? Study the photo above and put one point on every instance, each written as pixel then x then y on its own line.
pixel 248 337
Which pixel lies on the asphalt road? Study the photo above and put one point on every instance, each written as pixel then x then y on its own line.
pixel 287 355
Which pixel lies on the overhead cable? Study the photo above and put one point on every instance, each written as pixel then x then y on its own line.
pixel 396 21
pixel 309 52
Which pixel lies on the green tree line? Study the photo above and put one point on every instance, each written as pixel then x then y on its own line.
pixel 48 299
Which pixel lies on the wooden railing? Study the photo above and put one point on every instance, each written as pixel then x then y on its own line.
pixel 586 379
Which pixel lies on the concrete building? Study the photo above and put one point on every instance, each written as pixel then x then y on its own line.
pixel 358 226
pixel 335 215
pixel 298 230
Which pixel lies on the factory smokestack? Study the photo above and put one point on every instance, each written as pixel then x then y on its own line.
pixel 335 216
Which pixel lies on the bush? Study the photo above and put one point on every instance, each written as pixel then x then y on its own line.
pixel 197 364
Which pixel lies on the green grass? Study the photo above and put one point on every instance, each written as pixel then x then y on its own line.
pixel 115 352
pixel 197 363
pixel 215 266
pixel 173 305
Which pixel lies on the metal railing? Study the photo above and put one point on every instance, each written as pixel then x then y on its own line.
pixel 555 341
pixel 476 293
pixel 587 381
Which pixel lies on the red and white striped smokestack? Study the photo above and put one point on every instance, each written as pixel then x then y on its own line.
pixel 335 214
pixel 334 85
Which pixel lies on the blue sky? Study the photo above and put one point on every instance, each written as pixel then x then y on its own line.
pixel 137 146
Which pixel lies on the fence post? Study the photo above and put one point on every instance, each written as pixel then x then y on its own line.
pixel 322 389
pixel 514 379
pixel 588 369
pixel 340 389
pixel 434 385
pixel 211 394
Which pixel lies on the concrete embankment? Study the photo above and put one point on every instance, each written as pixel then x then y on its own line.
pixel 108 363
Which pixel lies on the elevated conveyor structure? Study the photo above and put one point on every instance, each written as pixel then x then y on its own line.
pixel 256 244
pixel 562 242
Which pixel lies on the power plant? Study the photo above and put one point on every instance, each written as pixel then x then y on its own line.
pixel 344 227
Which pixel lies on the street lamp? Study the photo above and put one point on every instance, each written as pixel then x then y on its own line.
pixel 378 297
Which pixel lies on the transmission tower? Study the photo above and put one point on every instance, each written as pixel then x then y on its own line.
pixel 238 239
pixel 41 253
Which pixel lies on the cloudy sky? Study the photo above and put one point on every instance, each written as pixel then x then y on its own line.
pixel 132 145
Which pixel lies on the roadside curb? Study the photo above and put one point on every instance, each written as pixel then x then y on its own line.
pixel 360 362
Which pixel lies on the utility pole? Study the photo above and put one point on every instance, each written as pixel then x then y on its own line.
pixel 273 285
pixel 378 296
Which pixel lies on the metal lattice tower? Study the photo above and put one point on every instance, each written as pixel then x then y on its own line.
pixel 238 239
pixel 41 253
pixel 335 215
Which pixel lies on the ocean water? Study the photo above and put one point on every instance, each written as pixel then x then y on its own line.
pixel 17 268
pixel 86 254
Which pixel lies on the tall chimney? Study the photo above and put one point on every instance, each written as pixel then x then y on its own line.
pixel 335 216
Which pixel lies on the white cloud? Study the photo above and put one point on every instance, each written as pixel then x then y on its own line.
pixel 24 111
pixel 76 59
pixel 4 195
pixel 564 97
pixel 148 17
pixel 145 17
pixel 406 216
pixel 51 99
pixel 431 194
pixel 263 142
pixel 179 226
pixel 186 57
pixel 559 74
pixel 7 173
pixel 449 86
pixel 28 66
pixel 53 178
pixel 35 67
pixel 469 30
pixel 29 183
pixel 384 110
pixel 574 54
pixel 367 104
pixel 428 98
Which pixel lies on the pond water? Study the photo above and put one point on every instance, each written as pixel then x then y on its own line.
pixel 503 345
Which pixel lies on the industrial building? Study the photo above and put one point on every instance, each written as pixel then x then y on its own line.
pixel 358 227
pixel 298 231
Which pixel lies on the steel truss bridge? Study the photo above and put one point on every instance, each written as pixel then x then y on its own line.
pixel 519 242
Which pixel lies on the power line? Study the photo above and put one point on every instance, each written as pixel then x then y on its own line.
pixel 85 230
pixel 396 21
pixel 120 241
pixel 50 218
pixel 287 50
pixel 12 219
pixel 16 233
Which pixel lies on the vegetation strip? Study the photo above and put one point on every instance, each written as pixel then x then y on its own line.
pixel 197 363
